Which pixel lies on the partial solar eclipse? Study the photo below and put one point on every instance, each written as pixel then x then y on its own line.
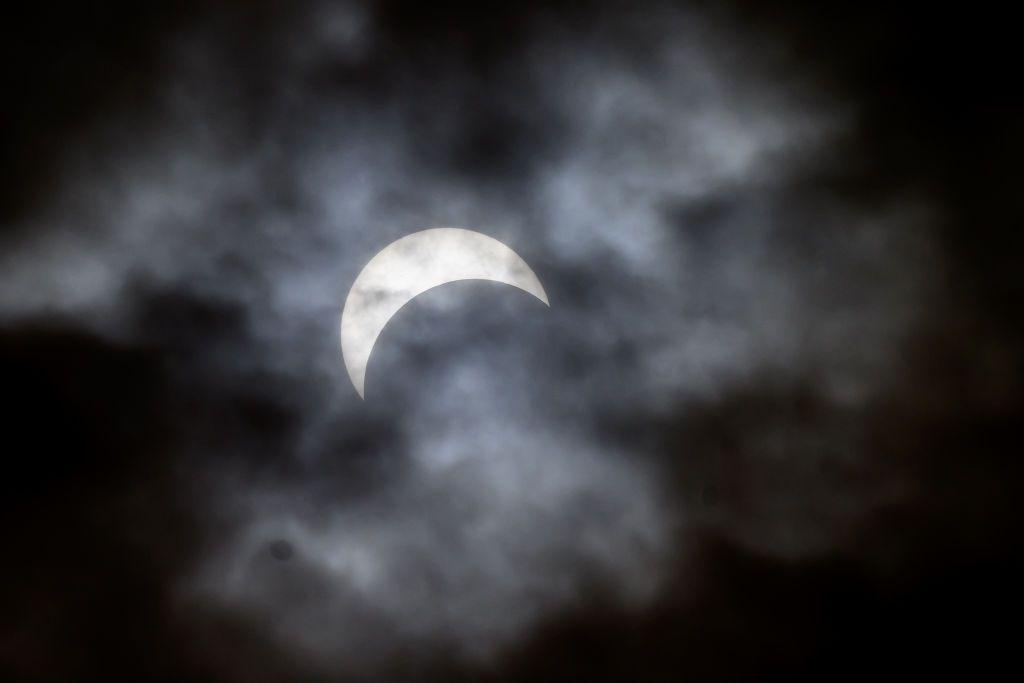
pixel 410 266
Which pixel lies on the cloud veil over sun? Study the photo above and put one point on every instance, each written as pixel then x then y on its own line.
pixel 736 351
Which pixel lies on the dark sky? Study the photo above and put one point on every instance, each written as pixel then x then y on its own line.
pixel 768 428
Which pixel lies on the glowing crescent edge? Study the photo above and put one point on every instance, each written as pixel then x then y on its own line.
pixel 410 266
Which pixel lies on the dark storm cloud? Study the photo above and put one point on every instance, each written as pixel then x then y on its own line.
pixel 747 359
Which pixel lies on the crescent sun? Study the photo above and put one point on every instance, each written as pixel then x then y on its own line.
pixel 410 266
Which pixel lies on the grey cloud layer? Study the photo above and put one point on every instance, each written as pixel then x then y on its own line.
pixel 657 215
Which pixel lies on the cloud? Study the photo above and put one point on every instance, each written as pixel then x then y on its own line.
pixel 649 170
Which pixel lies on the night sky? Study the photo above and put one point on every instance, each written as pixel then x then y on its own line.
pixel 768 428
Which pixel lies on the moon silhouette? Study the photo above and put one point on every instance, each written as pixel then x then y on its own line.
pixel 410 266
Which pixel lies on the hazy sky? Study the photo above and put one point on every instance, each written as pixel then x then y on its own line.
pixel 770 369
